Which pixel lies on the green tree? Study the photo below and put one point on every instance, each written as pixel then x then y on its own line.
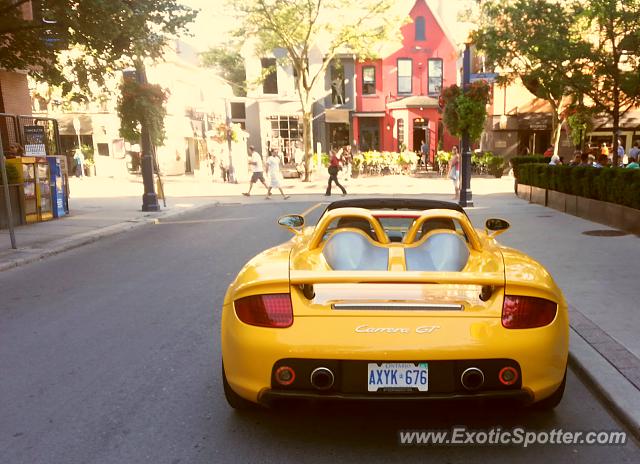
pixel 610 64
pixel 535 41
pixel 75 42
pixel 301 27
pixel 466 111
pixel 228 61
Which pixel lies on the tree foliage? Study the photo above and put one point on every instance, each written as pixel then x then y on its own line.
pixel 142 104
pixel 610 64
pixel 298 29
pixel 71 41
pixel 466 111
pixel 535 41
pixel 573 48
pixel 228 61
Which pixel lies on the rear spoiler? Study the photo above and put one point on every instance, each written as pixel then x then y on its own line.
pixel 410 277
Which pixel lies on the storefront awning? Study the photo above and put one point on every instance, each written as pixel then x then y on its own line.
pixel 629 120
pixel 340 116
pixel 372 114
pixel 415 101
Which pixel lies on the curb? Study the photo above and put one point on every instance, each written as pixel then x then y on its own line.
pixel 85 238
pixel 620 395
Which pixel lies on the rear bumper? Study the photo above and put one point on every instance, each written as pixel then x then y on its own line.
pixel 250 353
pixel 268 396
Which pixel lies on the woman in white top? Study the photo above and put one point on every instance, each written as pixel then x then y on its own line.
pixel 273 171
pixel 454 171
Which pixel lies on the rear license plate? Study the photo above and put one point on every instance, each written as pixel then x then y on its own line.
pixel 395 376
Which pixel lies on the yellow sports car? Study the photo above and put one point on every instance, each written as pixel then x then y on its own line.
pixel 388 299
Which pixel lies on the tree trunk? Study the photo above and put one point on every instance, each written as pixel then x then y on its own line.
pixel 556 126
pixel 616 129
pixel 307 121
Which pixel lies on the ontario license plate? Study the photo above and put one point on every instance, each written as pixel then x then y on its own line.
pixel 397 376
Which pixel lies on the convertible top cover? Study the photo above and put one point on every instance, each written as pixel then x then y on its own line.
pixel 414 204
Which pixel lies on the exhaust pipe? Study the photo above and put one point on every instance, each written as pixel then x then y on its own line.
pixel 472 378
pixel 322 378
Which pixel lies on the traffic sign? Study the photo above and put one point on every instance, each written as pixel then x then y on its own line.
pixel 489 77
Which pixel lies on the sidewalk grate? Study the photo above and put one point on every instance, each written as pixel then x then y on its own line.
pixel 618 356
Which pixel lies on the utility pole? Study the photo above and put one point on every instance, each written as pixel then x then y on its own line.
pixel 149 198
pixel 227 110
pixel 466 197
pixel 7 200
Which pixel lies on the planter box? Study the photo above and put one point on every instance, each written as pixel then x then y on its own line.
pixel 539 196
pixel 571 204
pixel 631 219
pixel 524 192
pixel 610 214
pixel 557 200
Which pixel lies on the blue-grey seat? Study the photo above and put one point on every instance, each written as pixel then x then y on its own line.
pixel 351 251
pixel 440 252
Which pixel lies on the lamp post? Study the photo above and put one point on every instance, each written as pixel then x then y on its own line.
pixel 466 196
pixel 76 127
pixel 232 171
pixel 149 198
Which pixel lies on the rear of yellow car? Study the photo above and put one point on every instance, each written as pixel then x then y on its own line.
pixel 384 336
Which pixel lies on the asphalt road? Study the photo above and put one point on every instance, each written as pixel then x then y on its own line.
pixel 110 354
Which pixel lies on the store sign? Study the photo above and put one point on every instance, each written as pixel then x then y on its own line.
pixel 34 141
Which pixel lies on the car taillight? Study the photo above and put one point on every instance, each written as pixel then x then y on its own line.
pixel 273 310
pixel 527 312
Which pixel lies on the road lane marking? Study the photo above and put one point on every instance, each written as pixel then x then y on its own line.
pixel 309 210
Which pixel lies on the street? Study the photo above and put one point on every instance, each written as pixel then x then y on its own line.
pixel 110 353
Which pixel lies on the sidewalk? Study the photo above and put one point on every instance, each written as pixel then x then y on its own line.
pixel 598 274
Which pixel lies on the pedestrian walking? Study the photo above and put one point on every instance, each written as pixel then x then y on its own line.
pixel 212 164
pixel 274 175
pixel 334 169
pixel 255 161
pixel 79 160
pixel 347 162
pixel 454 171
pixel 424 153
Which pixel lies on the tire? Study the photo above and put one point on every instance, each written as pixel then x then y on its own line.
pixel 552 401
pixel 235 401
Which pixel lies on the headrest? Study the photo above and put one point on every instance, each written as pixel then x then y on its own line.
pixel 357 223
pixel 437 223
pixel 352 251
pixel 440 252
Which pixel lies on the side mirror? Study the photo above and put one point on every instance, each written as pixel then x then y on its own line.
pixel 496 226
pixel 293 222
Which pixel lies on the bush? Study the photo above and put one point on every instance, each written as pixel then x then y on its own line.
pixel 493 163
pixel 516 161
pixel 613 185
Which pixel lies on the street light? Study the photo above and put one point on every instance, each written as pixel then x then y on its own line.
pixel 466 197
pixel 149 198
pixel 76 127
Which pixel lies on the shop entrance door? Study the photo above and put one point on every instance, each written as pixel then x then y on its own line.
pixel 369 134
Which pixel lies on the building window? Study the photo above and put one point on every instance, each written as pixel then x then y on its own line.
pixel 238 110
pixel 337 83
pixel 435 77
pixel 368 80
pixel 420 28
pixel 270 83
pixel 285 132
pixel 405 71
pixel 401 146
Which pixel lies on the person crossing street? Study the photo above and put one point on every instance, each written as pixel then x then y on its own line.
pixel 334 169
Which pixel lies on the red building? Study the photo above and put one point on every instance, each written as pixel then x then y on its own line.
pixel 397 96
